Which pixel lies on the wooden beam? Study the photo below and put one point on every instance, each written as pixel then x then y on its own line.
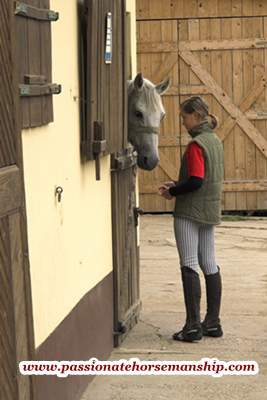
pixel 232 44
pixel 228 187
pixel 169 141
pixel 251 131
pixel 245 104
pixel 193 90
pixel 187 90
pixel 245 186
pixel 172 91
pixel 174 141
pixel 165 67
pixel 167 166
pixel 256 115
pixel 149 189
pixel 201 45
pixel 157 47
pixel 177 9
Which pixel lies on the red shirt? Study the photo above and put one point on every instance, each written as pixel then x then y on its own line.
pixel 195 160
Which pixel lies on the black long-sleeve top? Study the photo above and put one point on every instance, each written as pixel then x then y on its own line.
pixel 193 183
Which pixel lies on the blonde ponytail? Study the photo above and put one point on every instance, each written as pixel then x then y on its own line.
pixel 214 121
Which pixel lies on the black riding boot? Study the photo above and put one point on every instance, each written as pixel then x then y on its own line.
pixel 211 325
pixel 192 330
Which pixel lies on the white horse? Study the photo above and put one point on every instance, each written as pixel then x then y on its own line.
pixel 145 112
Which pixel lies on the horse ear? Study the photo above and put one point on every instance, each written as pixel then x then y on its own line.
pixel 163 86
pixel 139 81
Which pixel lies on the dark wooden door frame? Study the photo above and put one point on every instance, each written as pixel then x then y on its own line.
pixel 126 264
pixel 17 311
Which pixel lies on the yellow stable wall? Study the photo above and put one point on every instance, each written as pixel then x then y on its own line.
pixel 70 243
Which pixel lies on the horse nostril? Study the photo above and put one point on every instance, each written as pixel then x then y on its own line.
pixel 145 160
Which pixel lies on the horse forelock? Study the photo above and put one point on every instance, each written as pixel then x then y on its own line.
pixel 147 97
pixel 152 99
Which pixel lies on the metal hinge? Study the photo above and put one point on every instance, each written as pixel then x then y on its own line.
pixel 28 11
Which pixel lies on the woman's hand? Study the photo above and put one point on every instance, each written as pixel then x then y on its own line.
pixel 164 190
pixel 166 185
pixel 166 194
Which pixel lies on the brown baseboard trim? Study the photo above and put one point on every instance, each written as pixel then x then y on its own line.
pixel 86 332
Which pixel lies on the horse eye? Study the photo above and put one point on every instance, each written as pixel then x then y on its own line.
pixel 138 114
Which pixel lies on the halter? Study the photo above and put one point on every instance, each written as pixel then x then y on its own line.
pixel 145 129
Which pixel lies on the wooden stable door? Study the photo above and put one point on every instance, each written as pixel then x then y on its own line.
pixel 225 61
pixel 127 303
pixel 16 332
pixel 126 260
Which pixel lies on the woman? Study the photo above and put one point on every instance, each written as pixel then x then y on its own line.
pixel 197 211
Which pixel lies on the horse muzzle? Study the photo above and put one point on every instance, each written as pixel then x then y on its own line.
pixel 147 163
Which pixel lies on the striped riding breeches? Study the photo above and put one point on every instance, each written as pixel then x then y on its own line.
pixel 195 244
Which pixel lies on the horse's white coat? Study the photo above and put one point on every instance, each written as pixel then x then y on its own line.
pixel 145 109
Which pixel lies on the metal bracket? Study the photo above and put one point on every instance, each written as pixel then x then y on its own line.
pixel 121 329
pixel 35 79
pixel 39 90
pixel 20 8
pixel 28 11
pixel 53 15
pixel 131 318
pixel 99 145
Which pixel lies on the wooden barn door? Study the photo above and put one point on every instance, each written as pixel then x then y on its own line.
pixel 16 332
pixel 225 61
pixel 123 181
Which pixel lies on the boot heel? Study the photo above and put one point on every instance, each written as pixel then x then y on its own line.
pixel 194 335
pixel 190 335
pixel 213 331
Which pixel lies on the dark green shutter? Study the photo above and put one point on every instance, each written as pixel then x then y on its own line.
pixel 103 86
pixel 33 50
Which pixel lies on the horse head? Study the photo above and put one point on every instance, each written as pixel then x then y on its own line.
pixel 145 112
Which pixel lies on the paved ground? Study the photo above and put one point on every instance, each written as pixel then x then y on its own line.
pixel 242 254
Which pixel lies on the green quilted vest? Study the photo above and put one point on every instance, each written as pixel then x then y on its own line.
pixel 204 204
